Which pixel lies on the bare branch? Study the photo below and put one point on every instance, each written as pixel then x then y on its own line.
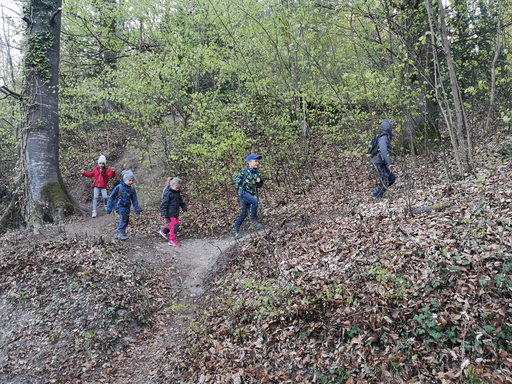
pixel 55 14
pixel 8 92
pixel 27 20
pixel 10 9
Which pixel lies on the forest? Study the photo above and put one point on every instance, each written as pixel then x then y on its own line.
pixel 338 287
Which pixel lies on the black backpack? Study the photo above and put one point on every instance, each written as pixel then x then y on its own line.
pixel 373 145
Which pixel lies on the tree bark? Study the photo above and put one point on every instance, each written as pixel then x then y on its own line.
pixel 460 129
pixel 493 68
pixel 45 195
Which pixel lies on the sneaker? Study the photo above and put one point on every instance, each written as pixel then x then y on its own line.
pixel 174 243
pixel 255 224
pixel 234 234
pixel 93 213
pixel 121 235
pixel 378 198
pixel 163 234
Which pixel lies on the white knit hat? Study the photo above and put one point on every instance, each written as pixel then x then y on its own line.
pixel 102 159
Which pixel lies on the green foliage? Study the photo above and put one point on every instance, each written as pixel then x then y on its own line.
pixel 37 47
pixel 428 325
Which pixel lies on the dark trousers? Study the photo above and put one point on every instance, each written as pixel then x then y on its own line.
pixel 123 221
pixel 248 202
pixel 386 179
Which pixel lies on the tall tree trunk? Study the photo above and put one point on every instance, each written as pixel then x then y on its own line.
pixel 109 23
pixel 460 130
pixel 45 194
pixel 493 68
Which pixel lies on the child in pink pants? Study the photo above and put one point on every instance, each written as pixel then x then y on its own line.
pixel 170 210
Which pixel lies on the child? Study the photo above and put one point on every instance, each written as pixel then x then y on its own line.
pixel 101 175
pixel 121 200
pixel 382 163
pixel 248 180
pixel 170 210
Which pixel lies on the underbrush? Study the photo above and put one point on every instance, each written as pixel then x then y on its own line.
pixel 370 294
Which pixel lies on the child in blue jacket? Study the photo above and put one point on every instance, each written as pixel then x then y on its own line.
pixel 170 210
pixel 121 200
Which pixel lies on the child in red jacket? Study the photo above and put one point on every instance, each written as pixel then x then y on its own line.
pixel 101 175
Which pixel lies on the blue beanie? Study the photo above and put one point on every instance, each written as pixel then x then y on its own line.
pixel 127 175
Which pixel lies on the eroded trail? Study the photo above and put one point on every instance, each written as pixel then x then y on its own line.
pixel 185 271
pixel 184 274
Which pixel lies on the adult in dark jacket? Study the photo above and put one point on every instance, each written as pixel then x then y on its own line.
pixel 382 162
pixel 170 210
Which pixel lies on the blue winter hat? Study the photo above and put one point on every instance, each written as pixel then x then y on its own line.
pixel 128 175
pixel 252 156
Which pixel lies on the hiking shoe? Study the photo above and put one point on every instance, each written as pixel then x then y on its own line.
pixel 174 243
pixel 378 198
pixel 122 235
pixel 234 233
pixel 166 237
pixel 93 213
pixel 117 235
pixel 255 224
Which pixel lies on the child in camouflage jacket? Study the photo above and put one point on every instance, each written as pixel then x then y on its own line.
pixel 248 181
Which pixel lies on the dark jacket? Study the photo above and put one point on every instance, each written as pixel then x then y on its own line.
pixel 171 203
pixel 100 179
pixel 385 147
pixel 122 198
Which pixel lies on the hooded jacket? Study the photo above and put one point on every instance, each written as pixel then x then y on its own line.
pixel 384 156
pixel 245 181
pixel 122 198
pixel 100 179
pixel 171 203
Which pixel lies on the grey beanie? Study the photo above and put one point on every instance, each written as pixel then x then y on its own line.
pixel 102 159
pixel 127 175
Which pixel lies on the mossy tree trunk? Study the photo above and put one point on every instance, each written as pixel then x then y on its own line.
pixel 45 196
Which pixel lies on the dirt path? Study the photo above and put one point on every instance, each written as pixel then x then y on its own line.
pixel 185 272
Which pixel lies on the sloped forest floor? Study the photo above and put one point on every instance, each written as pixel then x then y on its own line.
pixel 338 288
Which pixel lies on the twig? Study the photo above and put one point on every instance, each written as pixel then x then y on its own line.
pixel 409 237
pixel 12 341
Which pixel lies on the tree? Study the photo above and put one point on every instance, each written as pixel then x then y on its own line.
pixel 458 129
pixel 45 196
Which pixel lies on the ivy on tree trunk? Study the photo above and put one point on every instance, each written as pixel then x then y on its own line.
pixel 45 196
